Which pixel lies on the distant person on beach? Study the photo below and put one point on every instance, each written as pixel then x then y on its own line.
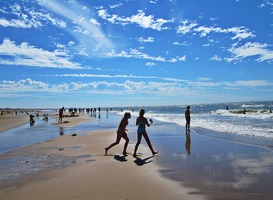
pixel 31 119
pixel 188 118
pixel 141 122
pixel 61 114
pixel 121 133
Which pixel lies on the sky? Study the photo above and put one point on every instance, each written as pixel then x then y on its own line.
pixel 90 53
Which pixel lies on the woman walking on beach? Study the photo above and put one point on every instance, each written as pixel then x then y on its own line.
pixel 121 133
pixel 141 122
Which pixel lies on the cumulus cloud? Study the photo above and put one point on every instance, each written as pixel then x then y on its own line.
pixel 251 49
pixel 126 87
pixel 27 55
pixel 141 19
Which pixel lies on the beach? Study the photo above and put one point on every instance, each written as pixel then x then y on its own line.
pixel 188 166
pixel 90 174
pixel 10 120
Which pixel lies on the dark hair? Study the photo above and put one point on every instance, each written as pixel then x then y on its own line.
pixel 141 112
pixel 127 115
pixel 188 107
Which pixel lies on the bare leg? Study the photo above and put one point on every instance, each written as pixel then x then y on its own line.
pixel 145 135
pixel 113 144
pixel 139 136
pixel 125 137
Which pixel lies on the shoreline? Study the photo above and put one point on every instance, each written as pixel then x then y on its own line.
pixel 198 167
pixel 76 167
pixel 91 175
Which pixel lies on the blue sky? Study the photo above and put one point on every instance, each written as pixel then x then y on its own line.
pixel 91 53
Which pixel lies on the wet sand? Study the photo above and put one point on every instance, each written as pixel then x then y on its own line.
pixel 10 120
pixel 84 172
pixel 193 167
pixel 217 168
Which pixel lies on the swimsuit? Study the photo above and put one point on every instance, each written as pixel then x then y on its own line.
pixel 141 127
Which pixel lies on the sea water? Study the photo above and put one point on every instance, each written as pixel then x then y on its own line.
pixel 246 122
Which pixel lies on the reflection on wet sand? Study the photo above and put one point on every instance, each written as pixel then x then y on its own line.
pixel 188 141
pixel 218 168
pixel 61 131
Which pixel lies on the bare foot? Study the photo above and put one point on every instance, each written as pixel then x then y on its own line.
pixel 155 152
pixel 106 151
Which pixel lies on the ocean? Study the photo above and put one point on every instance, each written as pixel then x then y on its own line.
pixel 243 122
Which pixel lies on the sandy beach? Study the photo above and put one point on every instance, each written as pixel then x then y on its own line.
pixel 84 172
pixel 10 120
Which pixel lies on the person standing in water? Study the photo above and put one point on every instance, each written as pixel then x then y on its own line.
pixel 61 114
pixel 121 133
pixel 141 122
pixel 188 118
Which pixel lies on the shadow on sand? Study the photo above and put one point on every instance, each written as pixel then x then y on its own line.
pixel 141 162
pixel 120 158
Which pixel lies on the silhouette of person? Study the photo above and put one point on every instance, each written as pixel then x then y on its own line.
pixel 188 117
pixel 31 119
pixel 141 122
pixel 188 141
pixel 61 113
pixel 121 133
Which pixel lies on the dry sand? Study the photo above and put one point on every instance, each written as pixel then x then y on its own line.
pixel 92 175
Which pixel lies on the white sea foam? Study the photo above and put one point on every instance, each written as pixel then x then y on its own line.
pixel 254 114
pixel 252 105
pixel 253 123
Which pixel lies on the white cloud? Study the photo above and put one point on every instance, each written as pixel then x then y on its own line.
pixel 149 39
pixel 99 87
pixel 26 55
pixel 186 27
pixel 150 64
pixel 175 87
pixel 116 5
pixel 250 83
pixel 106 76
pixel 94 21
pixel 181 44
pixel 216 58
pixel 134 53
pixel 140 19
pixel 191 26
pixel 71 43
pixel 251 49
pixel 28 18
